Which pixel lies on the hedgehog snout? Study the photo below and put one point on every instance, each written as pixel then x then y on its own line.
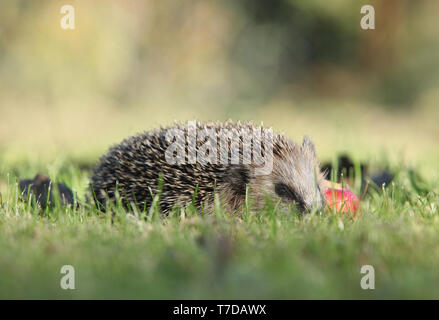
pixel 315 202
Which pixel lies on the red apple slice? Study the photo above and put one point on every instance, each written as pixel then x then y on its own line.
pixel 342 200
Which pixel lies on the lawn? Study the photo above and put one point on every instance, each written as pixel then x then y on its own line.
pixel 267 254
pixel 261 255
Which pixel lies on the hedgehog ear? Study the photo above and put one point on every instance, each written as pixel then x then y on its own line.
pixel 308 145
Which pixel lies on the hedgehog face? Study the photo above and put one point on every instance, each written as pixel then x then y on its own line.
pixel 297 183
pixel 295 178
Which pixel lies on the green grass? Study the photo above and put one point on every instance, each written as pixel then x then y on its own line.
pixel 263 255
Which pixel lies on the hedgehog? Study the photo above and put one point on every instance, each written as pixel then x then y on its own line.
pixel 191 163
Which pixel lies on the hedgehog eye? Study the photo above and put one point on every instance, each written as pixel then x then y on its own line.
pixel 284 192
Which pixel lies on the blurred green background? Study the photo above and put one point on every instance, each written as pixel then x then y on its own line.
pixel 303 67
